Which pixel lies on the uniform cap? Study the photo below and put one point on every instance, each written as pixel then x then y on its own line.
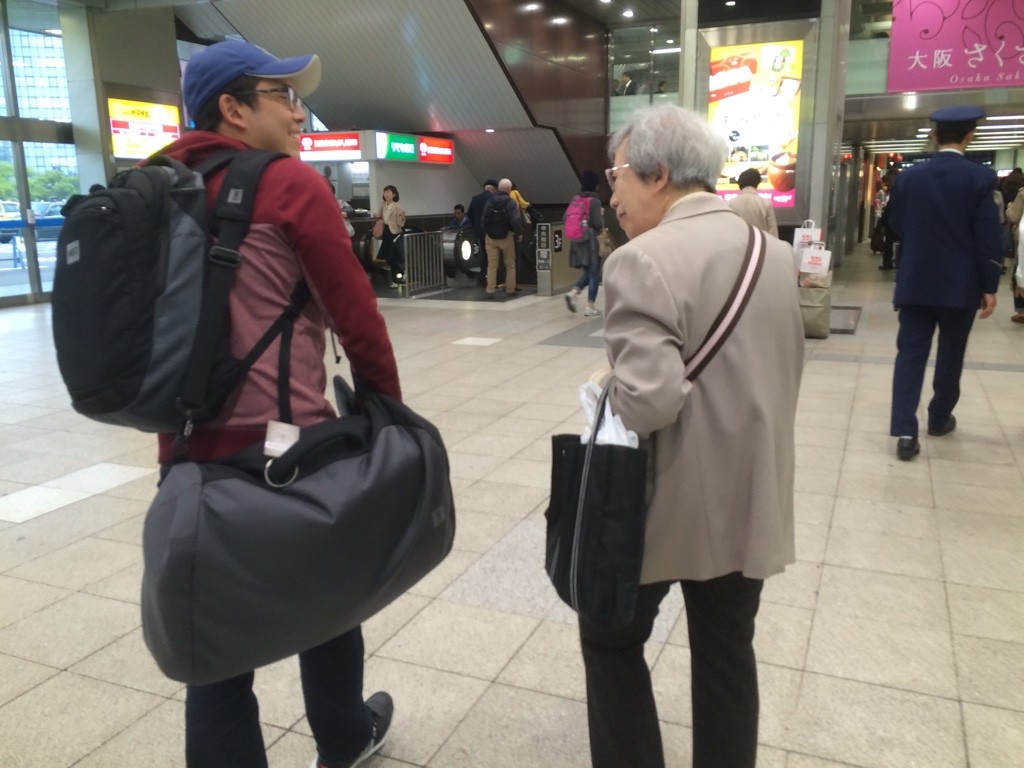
pixel 212 68
pixel 957 118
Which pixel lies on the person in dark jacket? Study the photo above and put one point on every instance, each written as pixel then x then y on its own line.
pixel 948 226
pixel 503 225
pixel 475 213
pixel 585 254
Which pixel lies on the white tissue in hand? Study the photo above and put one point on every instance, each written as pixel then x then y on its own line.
pixel 612 431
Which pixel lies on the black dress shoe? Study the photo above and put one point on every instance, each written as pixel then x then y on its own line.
pixel 885 268
pixel 945 429
pixel 907 448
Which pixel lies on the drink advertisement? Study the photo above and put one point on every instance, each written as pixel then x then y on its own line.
pixel 754 102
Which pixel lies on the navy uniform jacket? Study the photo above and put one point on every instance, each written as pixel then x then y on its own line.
pixel 948 225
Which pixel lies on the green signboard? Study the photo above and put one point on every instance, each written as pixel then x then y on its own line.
pixel 396 146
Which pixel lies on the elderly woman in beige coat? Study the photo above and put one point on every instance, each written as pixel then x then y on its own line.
pixel 720 508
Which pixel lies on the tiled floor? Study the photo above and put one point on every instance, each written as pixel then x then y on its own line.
pixel 896 641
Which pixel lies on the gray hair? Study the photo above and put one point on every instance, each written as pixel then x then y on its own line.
pixel 505 185
pixel 675 138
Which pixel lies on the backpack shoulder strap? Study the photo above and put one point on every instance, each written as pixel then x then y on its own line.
pixel 233 213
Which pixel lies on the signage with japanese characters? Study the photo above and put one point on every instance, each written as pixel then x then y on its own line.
pixel 396 146
pixel 955 44
pixel 140 128
pixel 330 146
pixel 436 150
pixel 754 103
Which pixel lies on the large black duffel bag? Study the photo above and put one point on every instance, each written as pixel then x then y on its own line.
pixel 248 561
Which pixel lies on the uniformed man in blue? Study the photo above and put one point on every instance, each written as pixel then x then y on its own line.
pixel 943 213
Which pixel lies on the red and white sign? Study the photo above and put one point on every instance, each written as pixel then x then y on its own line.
pixel 329 146
pixel 433 150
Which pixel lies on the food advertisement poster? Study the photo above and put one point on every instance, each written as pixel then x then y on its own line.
pixel 754 102
pixel 140 128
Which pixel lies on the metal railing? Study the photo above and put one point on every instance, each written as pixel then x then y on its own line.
pixel 424 262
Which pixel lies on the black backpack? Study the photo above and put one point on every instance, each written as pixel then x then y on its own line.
pixel 140 294
pixel 496 222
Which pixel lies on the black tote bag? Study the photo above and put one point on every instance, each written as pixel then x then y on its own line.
pixel 595 525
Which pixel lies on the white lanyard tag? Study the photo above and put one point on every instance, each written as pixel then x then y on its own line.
pixel 280 437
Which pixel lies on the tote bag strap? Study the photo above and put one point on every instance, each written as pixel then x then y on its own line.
pixel 734 306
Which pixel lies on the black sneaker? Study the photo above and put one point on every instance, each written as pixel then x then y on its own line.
pixel 381 707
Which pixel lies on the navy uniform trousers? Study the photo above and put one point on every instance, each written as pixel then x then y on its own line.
pixel 913 344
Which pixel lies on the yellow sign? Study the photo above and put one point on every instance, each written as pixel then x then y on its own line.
pixel 754 103
pixel 140 128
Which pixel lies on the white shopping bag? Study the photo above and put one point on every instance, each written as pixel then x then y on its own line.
pixel 814 259
pixel 803 236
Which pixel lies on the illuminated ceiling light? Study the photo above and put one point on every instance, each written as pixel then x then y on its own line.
pixel 730 3
pixel 1005 117
pixel 56 32
pixel 606 1
pixel 531 7
pixel 559 20
pixel 654 29
pixel 669 41
pixel 910 100
pixel 628 13
pixel 998 127
pixel 488 130
pixel 667 50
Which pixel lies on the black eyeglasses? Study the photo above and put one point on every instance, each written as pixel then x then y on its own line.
pixel 292 98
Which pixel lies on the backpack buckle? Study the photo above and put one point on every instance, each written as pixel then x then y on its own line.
pixel 225 256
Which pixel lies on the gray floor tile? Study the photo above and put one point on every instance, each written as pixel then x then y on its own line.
pixel 884 552
pixel 995 737
pixel 47 726
pixel 469 640
pixel 884 597
pixel 513 728
pixel 988 613
pixel 895 655
pixel 43 637
pixel 20 598
pixel 991 672
pixel 18 676
pixel 873 726
pixel 126 662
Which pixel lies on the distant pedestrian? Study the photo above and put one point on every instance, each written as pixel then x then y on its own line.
pixel 586 254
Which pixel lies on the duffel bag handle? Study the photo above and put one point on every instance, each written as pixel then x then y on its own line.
pixel 319 445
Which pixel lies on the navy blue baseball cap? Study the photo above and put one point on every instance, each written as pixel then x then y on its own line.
pixel 212 68
pixel 957 118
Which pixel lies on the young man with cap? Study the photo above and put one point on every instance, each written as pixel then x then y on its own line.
pixel 943 214
pixel 242 97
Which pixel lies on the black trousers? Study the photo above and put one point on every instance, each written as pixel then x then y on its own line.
pixel 621 712
pixel 913 343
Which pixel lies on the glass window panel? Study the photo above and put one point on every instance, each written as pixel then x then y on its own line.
pixel 52 179
pixel 13 259
pixel 39 73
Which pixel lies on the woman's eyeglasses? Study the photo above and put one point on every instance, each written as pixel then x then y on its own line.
pixel 611 175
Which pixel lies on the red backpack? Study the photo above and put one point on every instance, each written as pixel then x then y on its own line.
pixel 576 226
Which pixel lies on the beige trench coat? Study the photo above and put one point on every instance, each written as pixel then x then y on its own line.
pixel 722 449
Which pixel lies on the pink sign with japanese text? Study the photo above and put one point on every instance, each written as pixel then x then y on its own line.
pixel 939 45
